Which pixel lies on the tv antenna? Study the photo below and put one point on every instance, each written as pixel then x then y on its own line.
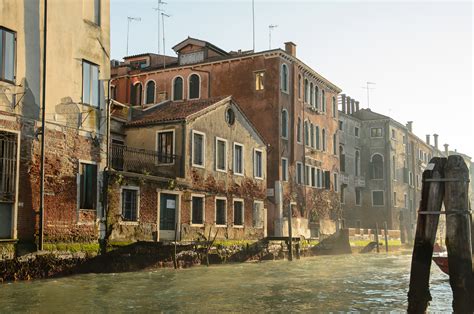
pixel 368 88
pixel 130 19
pixel 159 11
pixel 271 27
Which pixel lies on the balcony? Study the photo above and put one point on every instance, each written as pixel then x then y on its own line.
pixel 344 177
pixel 142 161
pixel 359 182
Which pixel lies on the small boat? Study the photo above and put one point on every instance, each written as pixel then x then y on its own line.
pixel 440 257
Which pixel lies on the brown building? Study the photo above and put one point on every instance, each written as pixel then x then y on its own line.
pixel 182 168
pixel 291 105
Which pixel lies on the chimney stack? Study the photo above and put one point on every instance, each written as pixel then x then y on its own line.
pixel 357 106
pixel 290 48
pixel 343 102
pixel 352 105
pixel 410 126
pixel 446 149
pixel 428 139
pixel 348 102
pixel 435 140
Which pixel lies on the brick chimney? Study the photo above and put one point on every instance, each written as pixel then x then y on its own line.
pixel 343 102
pixel 290 48
pixel 357 106
pixel 410 126
pixel 428 139
pixel 446 149
pixel 435 140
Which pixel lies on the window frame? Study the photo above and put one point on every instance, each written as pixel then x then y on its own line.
pixel 285 80
pixel 146 92
pixel 300 174
pixel 255 150
pixel 383 198
pixel 241 200
pixel 3 60
pixel 96 200
pixel 298 131
pixel 172 89
pixel 284 135
pixel 234 161
pixel 372 165
pixel 137 190
pixel 284 170
pixel 376 128
pixel 97 12
pixel 158 132
pixel 189 86
pixel 220 139
pixel 193 132
pixel 336 181
pixel 203 196
pixel 92 64
pixel 259 76
pixel 359 190
pixel 222 198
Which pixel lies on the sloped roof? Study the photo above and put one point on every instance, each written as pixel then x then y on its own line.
pixel 172 111
pixel 198 42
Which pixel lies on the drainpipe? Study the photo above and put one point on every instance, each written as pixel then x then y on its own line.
pixel 43 121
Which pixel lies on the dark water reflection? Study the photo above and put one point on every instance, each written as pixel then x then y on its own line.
pixel 331 283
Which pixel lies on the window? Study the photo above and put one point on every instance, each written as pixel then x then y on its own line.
pixel 377 198
pixel 194 86
pixel 238 212
pixel 87 186
pixel 356 131
pixel 299 85
pixel 323 101
pixel 394 169
pixel 221 154
pixel 376 132
pixel 357 163
pixel 197 210
pixel 393 134
pixel 7 55
pixel 298 131
pixel 324 139
pixel 178 88
pixel 327 179
pixel 358 196
pixel 410 178
pixel 136 94
pixel 313 177
pixel 341 125
pixel 335 182
pixel 230 116
pixel 258 218
pixel 198 145
pixel 306 133
pixel 221 213
pixel 90 84
pixel 316 97
pixel 307 178
pixel 394 199
pixel 334 107
pixel 306 90
pixel 238 159
pixel 284 78
pixel 343 195
pixel 342 159
pixel 284 169
pixel 334 144
pixel 97 12
pixel 258 164
pixel 405 201
pixel 319 178
pixel 150 92
pixel 299 172
pixel 165 146
pixel 259 80
pixel 318 145
pixel 311 95
pixel 311 133
pixel 284 123
pixel 129 204
pixel 377 166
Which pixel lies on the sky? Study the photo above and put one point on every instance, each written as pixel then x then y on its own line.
pixel 419 54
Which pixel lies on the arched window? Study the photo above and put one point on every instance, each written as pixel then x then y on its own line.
pixel 298 131
pixel 136 94
pixel 194 86
pixel 394 168
pixel 316 96
pixel 311 96
pixel 334 107
pixel 323 135
pixel 306 90
pixel 323 101
pixel 318 145
pixel 357 163
pixel 284 123
pixel 178 88
pixel 342 158
pixel 377 166
pixel 299 85
pixel 150 92
pixel 284 77
pixel 311 134
pixel 306 133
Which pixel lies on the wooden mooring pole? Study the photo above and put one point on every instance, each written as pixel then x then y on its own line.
pixel 431 201
pixel 377 237
pixel 290 234
pixel 458 234
pixel 385 232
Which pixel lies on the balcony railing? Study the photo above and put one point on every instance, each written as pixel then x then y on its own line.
pixel 130 159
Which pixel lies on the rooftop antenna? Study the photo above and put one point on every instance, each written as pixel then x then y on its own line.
pixel 163 15
pixel 159 10
pixel 253 23
pixel 270 29
pixel 368 88
pixel 138 19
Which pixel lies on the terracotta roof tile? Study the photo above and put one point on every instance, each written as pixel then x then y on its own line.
pixel 172 111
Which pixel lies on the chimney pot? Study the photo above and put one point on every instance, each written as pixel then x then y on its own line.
pixel 348 103
pixel 446 149
pixel 410 126
pixel 290 48
pixel 435 140
pixel 357 106
pixel 428 139
pixel 343 102
pixel 352 105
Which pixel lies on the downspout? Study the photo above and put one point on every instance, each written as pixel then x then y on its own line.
pixel 43 121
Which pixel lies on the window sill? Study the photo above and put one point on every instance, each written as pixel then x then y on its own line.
pixel 198 166
pixel 221 170
pixel 91 106
pixel 8 81
pixel 197 225
pixel 220 226
pixel 258 178
pixel 238 226
pixel 129 223
pixel 238 174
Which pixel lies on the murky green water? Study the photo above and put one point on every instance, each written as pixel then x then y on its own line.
pixel 330 283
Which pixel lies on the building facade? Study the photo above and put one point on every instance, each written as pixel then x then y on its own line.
pixel 291 105
pixel 185 170
pixel 77 70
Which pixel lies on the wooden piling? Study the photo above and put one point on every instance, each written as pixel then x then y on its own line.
pixel 290 234
pixel 458 233
pixel 385 231
pixel 377 237
pixel 431 201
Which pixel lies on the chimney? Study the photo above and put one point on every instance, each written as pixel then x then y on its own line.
pixel 352 105
pixel 357 106
pixel 410 126
pixel 348 103
pixel 343 102
pixel 290 48
pixel 435 140
pixel 428 139
pixel 446 149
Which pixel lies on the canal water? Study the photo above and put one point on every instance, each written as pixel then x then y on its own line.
pixel 369 282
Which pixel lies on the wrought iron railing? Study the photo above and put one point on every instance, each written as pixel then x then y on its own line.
pixel 143 161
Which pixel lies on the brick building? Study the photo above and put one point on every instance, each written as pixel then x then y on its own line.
pixel 77 64
pixel 291 105
pixel 187 169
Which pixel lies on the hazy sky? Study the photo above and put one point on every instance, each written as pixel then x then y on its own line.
pixel 419 54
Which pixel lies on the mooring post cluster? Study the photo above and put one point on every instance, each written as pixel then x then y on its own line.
pixel 445 180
